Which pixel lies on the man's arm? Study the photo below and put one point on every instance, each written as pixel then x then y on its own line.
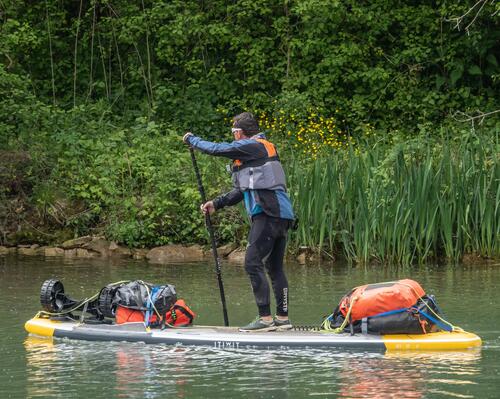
pixel 243 150
pixel 231 198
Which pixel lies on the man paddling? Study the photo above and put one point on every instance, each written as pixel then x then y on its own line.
pixel 259 180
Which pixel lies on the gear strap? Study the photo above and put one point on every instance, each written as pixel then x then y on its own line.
pixel 253 163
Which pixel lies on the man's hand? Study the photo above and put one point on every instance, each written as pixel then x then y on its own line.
pixel 186 137
pixel 208 207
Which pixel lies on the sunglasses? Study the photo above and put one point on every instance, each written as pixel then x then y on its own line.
pixel 236 129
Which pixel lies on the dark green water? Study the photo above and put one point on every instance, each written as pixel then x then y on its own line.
pixel 39 368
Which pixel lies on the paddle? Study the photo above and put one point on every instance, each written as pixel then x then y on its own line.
pixel 210 229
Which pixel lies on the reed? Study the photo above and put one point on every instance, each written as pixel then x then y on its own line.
pixel 406 203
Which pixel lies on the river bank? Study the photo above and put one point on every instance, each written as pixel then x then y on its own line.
pixel 399 201
pixel 99 247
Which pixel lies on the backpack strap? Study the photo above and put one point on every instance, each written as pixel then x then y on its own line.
pixel 253 163
pixel 364 325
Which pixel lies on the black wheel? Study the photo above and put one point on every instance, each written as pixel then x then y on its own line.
pixel 52 295
pixel 105 301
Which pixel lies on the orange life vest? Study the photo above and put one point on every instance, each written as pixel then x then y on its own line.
pixel 260 174
pixel 180 315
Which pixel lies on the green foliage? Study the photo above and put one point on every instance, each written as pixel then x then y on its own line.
pixel 385 62
pixel 137 182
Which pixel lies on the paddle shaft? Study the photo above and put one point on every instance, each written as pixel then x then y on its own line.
pixel 210 229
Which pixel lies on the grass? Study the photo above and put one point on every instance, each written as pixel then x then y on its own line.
pixel 406 203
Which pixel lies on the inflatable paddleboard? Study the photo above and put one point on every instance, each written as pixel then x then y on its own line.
pixel 231 338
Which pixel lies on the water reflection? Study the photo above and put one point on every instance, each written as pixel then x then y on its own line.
pixel 129 370
pixel 407 374
pixel 40 352
pixel 380 378
pixel 136 369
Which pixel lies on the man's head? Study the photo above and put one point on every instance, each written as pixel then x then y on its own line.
pixel 245 125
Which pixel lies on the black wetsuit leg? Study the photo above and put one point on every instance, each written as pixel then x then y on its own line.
pixel 265 252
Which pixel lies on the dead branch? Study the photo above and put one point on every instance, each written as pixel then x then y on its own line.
pixel 477 8
pixel 51 54
pixel 464 117
pixel 11 62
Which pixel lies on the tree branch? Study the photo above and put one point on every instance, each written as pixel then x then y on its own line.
pixel 76 52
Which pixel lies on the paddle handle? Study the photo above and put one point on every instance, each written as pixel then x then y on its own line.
pixel 210 229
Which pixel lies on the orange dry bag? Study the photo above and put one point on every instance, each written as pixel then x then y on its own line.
pixel 373 299
pixel 396 307
pixel 126 315
pixel 179 315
